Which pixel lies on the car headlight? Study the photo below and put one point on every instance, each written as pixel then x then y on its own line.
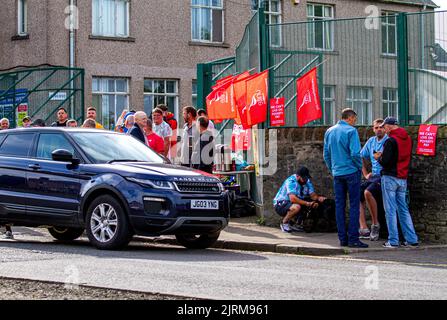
pixel 157 184
pixel 221 187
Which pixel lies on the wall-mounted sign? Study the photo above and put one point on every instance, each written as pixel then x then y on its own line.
pixel 277 114
pixel 59 96
pixel 427 140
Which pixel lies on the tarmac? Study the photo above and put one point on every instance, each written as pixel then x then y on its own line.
pixel 246 234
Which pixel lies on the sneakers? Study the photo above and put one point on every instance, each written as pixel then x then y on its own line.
pixel 375 229
pixel 297 228
pixel 364 233
pixel 412 245
pixel 358 244
pixel 8 235
pixel 390 246
pixel 285 227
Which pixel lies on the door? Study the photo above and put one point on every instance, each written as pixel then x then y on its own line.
pixel 54 186
pixel 14 151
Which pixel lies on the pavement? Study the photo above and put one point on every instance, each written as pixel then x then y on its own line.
pixel 247 235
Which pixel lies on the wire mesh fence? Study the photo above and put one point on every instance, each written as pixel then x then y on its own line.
pixel 39 92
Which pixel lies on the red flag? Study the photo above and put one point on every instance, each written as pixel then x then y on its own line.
pixel 240 139
pixel 308 98
pixel 257 95
pixel 222 81
pixel 220 104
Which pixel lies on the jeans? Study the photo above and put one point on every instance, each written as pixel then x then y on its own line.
pixel 342 185
pixel 393 194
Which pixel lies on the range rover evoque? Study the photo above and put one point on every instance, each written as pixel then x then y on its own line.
pixel 108 184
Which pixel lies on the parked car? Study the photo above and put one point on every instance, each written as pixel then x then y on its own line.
pixel 108 184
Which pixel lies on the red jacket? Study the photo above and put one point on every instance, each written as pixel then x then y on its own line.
pixel 170 119
pixel 156 143
pixel 396 154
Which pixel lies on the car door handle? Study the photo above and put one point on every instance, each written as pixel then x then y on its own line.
pixel 34 166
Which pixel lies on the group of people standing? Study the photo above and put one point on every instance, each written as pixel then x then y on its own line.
pixel 390 153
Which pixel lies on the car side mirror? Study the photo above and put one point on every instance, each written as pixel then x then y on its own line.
pixel 63 155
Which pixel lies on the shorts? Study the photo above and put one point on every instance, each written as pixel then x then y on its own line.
pixel 282 207
pixel 373 185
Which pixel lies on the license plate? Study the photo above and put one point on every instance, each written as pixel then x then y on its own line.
pixel 205 204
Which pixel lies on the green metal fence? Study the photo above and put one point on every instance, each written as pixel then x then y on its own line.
pixel 392 65
pixel 38 92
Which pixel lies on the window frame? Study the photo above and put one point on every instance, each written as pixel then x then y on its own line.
pixel 116 35
pixel 109 93
pixel 311 22
pixel 331 99
pixel 210 7
pixel 351 101
pixel 22 17
pixel 175 95
pixel 384 17
pixel 389 102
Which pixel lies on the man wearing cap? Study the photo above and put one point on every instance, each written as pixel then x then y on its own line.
pixel 289 200
pixel 395 160
pixel 342 157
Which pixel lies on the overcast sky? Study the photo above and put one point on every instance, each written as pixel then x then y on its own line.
pixel 441 3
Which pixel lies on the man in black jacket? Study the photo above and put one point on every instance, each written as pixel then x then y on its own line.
pixel 137 131
pixel 203 151
pixel 395 161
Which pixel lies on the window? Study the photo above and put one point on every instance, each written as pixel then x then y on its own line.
pixel 110 98
pixel 389 33
pixel 207 20
pixel 17 145
pixel 22 17
pixel 110 18
pixel 329 104
pixel 158 91
pixel 273 12
pixel 390 103
pixel 360 99
pixel 194 93
pixel 320 33
pixel 48 142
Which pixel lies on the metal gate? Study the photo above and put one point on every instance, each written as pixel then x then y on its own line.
pixel 38 92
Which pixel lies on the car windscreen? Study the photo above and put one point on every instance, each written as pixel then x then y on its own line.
pixel 109 147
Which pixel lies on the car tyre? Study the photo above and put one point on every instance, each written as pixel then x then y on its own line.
pixel 201 241
pixel 107 224
pixel 65 234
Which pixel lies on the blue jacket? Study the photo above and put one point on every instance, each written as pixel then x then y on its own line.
pixel 136 132
pixel 342 149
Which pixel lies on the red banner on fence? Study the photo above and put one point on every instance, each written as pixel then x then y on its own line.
pixel 308 99
pixel 277 114
pixel 427 140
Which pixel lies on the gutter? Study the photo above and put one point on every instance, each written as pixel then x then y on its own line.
pixel 412 3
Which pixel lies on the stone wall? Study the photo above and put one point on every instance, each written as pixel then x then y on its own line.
pixel 427 180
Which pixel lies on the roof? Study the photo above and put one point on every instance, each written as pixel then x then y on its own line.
pixel 429 3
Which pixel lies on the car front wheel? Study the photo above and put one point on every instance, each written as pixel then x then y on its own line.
pixel 107 225
pixel 201 241
pixel 65 234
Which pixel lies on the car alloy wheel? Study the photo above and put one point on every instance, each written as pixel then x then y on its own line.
pixel 104 222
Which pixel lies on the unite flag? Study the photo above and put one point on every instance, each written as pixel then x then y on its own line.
pixel 308 98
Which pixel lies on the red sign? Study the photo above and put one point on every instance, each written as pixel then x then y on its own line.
pixel 427 140
pixel 308 99
pixel 277 114
pixel 241 138
pixel 22 108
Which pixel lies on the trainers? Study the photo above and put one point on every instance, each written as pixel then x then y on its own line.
pixel 364 233
pixel 375 229
pixel 296 228
pixel 285 227
pixel 389 245
pixel 8 235
pixel 358 244
pixel 412 245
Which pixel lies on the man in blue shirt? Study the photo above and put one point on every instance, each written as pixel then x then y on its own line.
pixel 290 198
pixel 342 156
pixel 371 190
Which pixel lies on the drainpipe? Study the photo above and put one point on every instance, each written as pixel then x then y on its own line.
pixel 423 36
pixel 72 53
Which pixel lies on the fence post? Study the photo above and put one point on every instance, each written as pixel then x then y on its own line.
pixel 204 81
pixel 402 62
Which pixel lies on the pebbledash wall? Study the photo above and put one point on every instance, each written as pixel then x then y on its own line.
pixel 427 179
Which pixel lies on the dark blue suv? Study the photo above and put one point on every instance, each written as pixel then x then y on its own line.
pixel 108 184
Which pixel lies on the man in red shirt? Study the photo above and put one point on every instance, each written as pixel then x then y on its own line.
pixel 155 142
